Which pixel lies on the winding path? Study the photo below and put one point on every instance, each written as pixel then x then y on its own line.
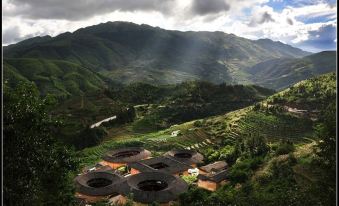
pixel 102 121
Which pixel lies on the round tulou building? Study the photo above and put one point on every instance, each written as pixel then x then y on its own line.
pixel 189 157
pixel 95 186
pixel 121 157
pixel 149 187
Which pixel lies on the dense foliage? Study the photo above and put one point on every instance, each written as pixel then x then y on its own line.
pixel 37 167
pixel 62 79
pixel 312 94
pixel 192 100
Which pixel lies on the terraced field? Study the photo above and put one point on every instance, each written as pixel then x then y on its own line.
pixel 274 127
pixel 247 122
pixel 157 142
pixel 215 131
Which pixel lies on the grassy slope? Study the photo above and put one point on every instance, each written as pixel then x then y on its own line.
pixel 60 78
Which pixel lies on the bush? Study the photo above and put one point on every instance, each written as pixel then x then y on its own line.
pixel 194 197
pixel 284 148
pixel 229 154
pixel 88 137
pixel 238 175
pixel 189 179
pixel 264 178
pixel 241 171
pixel 282 168
pixel 197 123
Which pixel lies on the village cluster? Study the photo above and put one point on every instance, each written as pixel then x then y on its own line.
pixel 133 173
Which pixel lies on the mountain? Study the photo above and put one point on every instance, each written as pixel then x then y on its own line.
pixel 127 52
pixel 282 72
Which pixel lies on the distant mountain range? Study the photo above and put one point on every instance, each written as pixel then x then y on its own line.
pixel 283 72
pixel 91 57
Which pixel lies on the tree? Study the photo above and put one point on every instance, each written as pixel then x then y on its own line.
pixel 326 132
pixel 256 145
pixel 37 168
pixel 326 151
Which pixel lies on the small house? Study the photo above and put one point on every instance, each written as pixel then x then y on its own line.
pixel 214 167
pixel 212 181
pixel 212 176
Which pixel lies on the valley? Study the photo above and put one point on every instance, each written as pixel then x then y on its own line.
pixel 262 107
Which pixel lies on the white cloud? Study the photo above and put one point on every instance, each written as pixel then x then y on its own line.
pixel 321 9
pixel 247 18
pixel 281 28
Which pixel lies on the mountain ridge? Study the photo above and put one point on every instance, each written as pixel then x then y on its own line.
pixel 121 50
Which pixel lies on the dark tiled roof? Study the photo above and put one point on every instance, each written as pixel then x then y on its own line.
pixel 162 164
pixel 126 155
pixel 185 156
pixel 175 186
pixel 141 167
pixel 216 177
pixel 105 168
pixel 216 166
pixel 83 187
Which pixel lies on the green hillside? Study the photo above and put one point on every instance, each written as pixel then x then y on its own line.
pixel 270 149
pixel 267 120
pixel 311 94
pixel 155 107
pixel 60 78
pixel 284 72
pixel 127 52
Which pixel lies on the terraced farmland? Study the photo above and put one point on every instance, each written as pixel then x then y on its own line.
pixel 214 131
pixel 158 143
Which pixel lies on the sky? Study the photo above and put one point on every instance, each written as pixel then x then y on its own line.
pixel 307 24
